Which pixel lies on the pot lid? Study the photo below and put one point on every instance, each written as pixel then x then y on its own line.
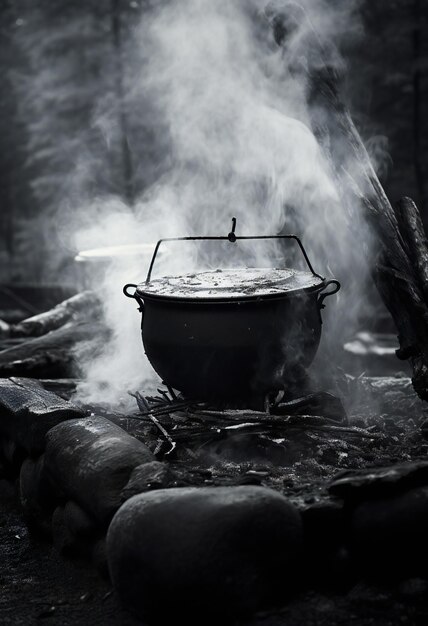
pixel 231 283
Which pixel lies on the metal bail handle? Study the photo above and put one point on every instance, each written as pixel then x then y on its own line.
pixel 232 237
pixel 134 295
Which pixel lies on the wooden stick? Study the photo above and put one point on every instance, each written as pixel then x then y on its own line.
pixel 415 241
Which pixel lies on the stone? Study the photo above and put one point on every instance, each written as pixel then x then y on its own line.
pixel 66 542
pixel 388 536
pixel 99 557
pixel 327 560
pixel 204 555
pixel 355 486
pixel 36 495
pixel 74 532
pixel 153 475
pixel 91 460
pixel 12 456
pixel 78 521
pixel 324 521
pixel 27 412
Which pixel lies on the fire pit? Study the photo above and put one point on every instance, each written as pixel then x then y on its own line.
pixel 229 335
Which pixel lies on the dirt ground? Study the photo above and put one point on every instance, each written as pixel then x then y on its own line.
pixel 37 586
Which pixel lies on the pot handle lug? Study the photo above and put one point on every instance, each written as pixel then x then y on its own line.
pixel 323 296
pixel 134 295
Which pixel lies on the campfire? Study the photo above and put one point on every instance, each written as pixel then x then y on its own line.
pixel 232 458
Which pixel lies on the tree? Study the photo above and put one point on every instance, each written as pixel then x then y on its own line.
pixel 388 90
pixel 72 95
pixel 14 189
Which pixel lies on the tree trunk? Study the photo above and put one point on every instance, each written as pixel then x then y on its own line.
pixel 126 158
pixel 417 117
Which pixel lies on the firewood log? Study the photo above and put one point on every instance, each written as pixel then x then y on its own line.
pixel 53 354
pixel 401 266
pixel 28 412
pixel 415 241
pixel 85 305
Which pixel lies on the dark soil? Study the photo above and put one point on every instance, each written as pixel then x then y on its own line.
pixel 38 586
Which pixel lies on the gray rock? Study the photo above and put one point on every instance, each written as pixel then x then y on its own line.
pixel 67 543
pixel 74 532
pixel 326 555
pixel 388 536
pixel 91 460
pixel 78 521
pixel 380 481
pixel 204 554
pixel 323 520
pixel 27 412
pixel 147 477
pixel 99 557
pixel 12 456
pixel 36 495
pixel 63 540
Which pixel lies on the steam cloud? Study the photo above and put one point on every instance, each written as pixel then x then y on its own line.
pixel 233 138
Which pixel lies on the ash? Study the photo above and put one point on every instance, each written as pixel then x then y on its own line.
pixel 295 446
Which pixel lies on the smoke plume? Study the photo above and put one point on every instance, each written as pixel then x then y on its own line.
pixel 232 138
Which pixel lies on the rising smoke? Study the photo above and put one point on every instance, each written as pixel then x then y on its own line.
pixel 234 129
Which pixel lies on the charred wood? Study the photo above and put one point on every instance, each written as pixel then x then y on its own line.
pixel 85 304
pixel 53 355
pixel 28 411
pixel 63 387
pixel 415 241
pixel 319 403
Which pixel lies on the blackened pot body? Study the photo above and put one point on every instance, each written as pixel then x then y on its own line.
pixel 225 350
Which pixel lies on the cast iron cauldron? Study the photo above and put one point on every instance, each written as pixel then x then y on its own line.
pixel 231 334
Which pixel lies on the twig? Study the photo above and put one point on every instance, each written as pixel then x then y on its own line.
pixel 165 396
pixel 142 402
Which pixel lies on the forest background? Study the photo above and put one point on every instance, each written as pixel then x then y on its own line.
pixel 70 129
